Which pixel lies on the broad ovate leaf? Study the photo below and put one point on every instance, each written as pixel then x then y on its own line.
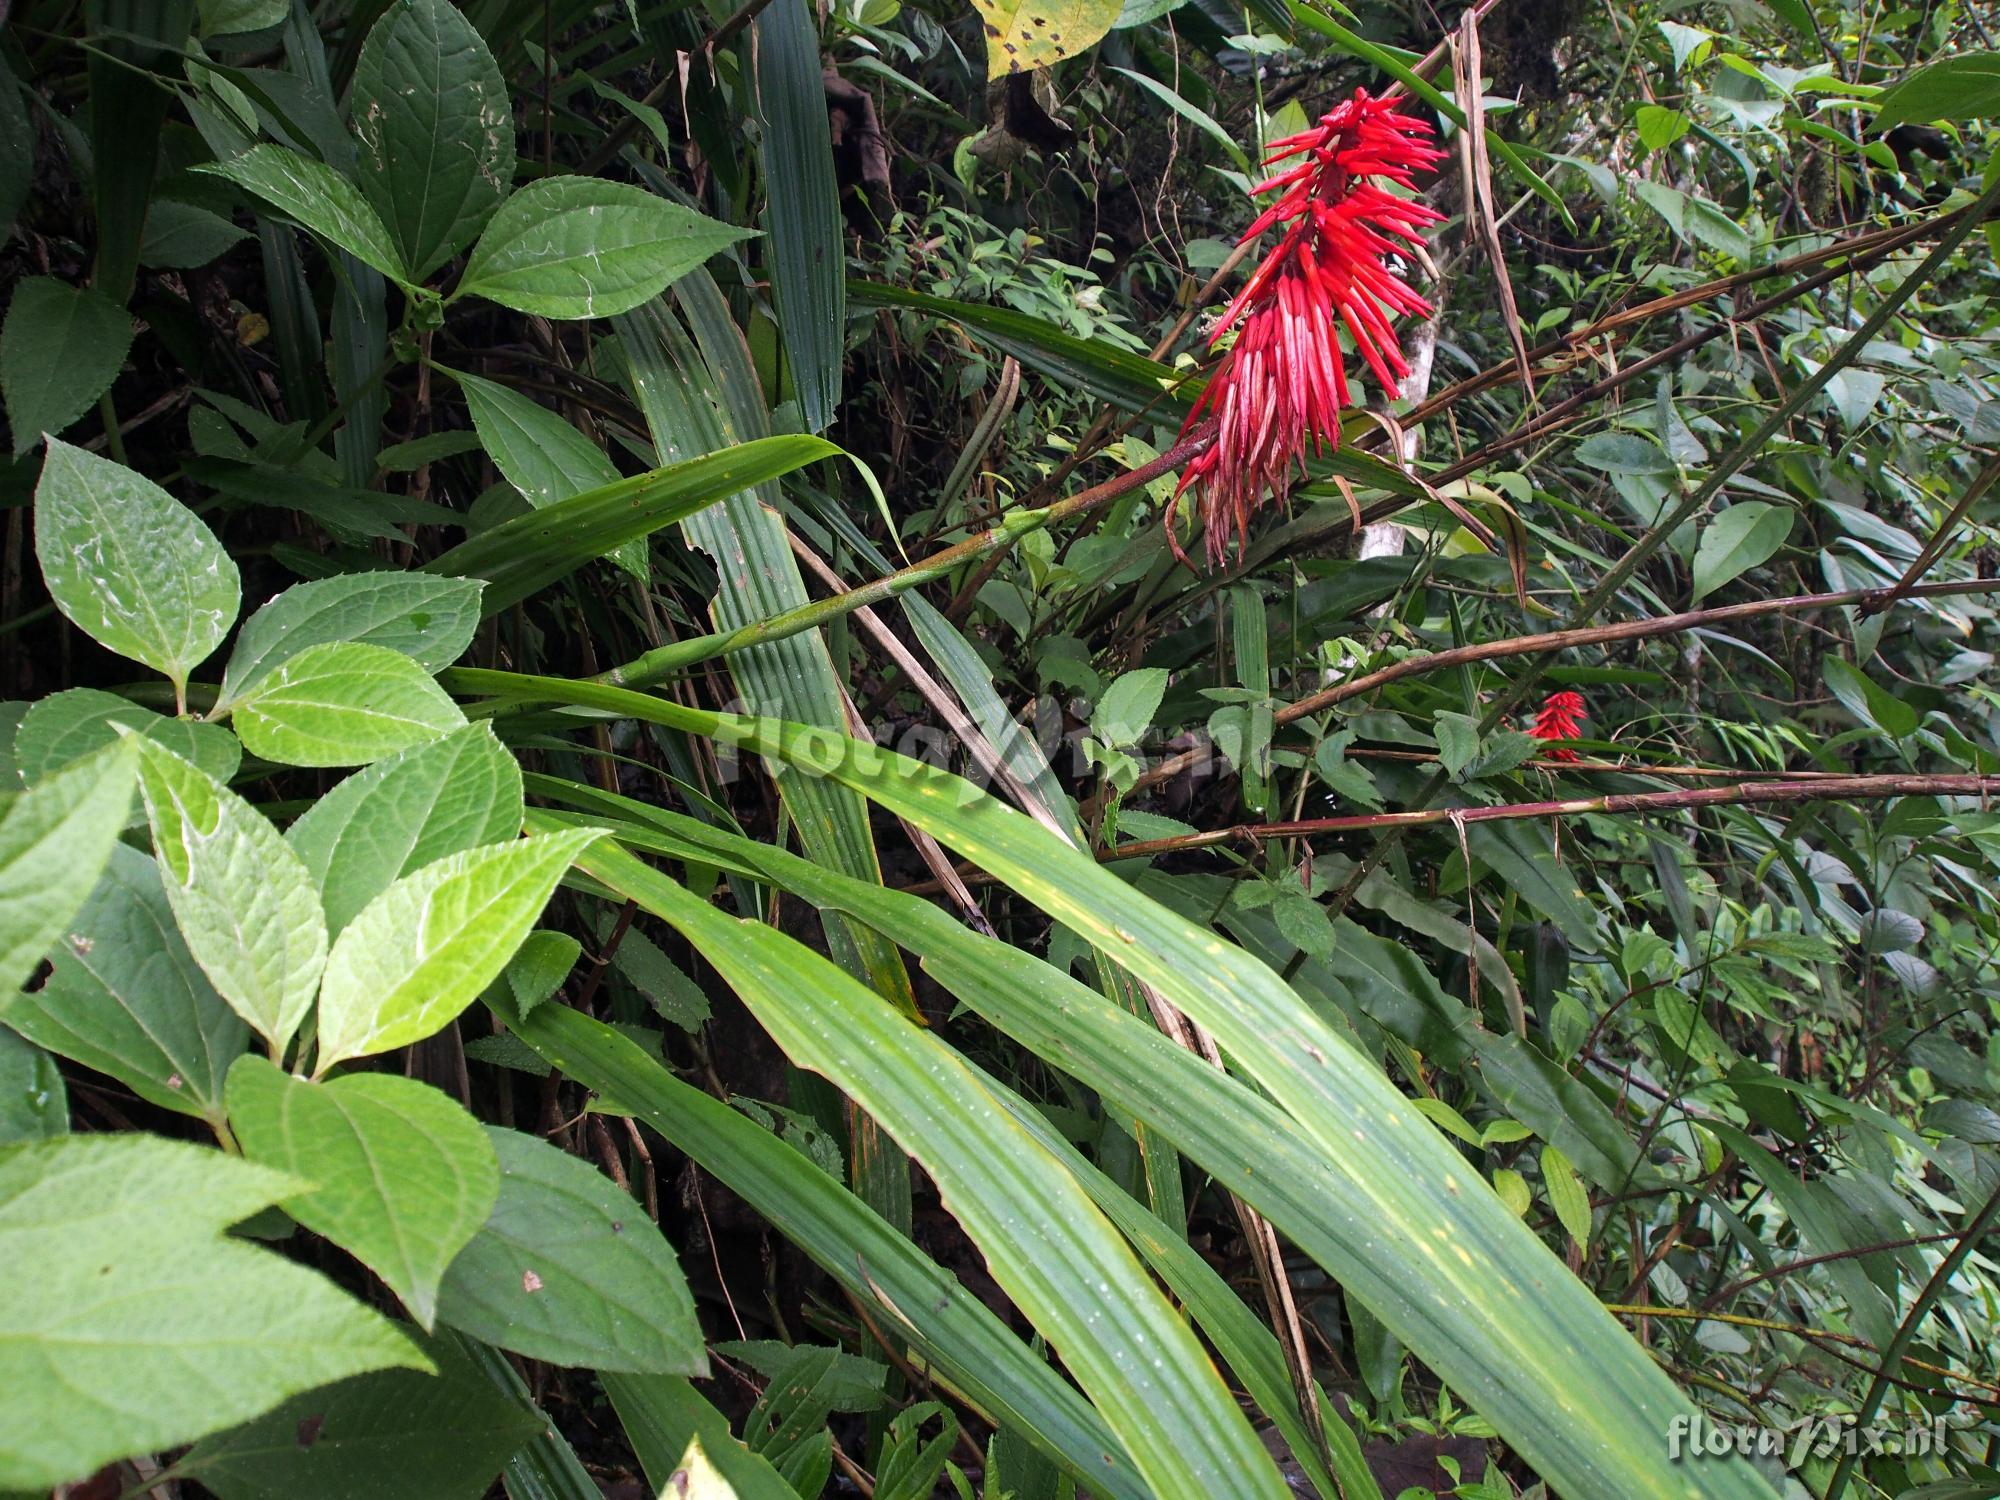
pixel 534 449
pixel 580 247
pixel 1126 711
pixel 313 194
pixel 421 952
pixel 435 130
pixel 1742 537
pixel 1868 700
pixel 243 899
pixel 428 619
pixel 34 1101
pixel 403 813
pixel 232 17
pixel 541 455
pixel 62 728
pixel 1960 85
pixel 569 1270
pixel 54 841
pixel 180 237
pixel 1624 453
pixel 126 997
pixel 131 566
pixel 1659 127
pixel 401 1176
pixel 130 1322
pixel 60 348
pixel 343 703
pixel 541 964
pixel 390 1432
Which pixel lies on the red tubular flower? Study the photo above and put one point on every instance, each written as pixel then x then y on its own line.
pixel 1561 718
pixel 1282 385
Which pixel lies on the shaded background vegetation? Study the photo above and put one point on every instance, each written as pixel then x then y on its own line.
pixel 1727 1050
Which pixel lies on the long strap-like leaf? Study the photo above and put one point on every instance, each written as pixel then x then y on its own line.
pixel 696 400
pixel 1524 1325
pixel 847 1240
pixel 1050 1249
pixel 806 255
pixel 1247 1347
pixel 519 557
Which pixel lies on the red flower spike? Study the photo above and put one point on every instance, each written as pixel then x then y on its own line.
pixel 1561 718
pixel 1283 384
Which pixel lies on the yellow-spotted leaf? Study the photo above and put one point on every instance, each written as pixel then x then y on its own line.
pixel 1026 34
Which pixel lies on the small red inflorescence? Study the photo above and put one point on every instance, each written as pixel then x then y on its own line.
pixel 1561 718
pixel 1282 385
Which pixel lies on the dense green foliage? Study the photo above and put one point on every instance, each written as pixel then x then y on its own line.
pixel 630 858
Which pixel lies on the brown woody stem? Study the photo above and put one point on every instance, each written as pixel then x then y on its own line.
pixel 1679 800
pixel 1553 641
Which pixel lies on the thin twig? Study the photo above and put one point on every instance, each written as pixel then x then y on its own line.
pixel 1805 1262
pixel 1906 1332
pixel 1832 1341
pixel 656 665
pixel 1678 800
pixel 1717 476
pixel 1603 767
pixel 1850 254
pixel 1549 642
pixel 1940 539
pixel 1830 788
